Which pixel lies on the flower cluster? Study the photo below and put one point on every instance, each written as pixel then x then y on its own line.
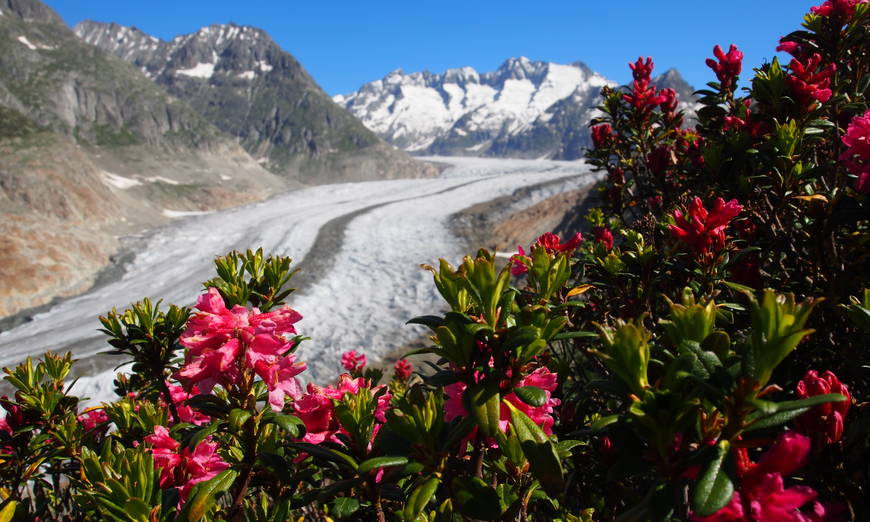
pixel 186 413
pixel 353 361
pixel 843 10
pixel 551 243
pixel 857 154
pixel 604 236
pixel 602 135
pixel 541 415
pixel 316 408
pixel 762 495
pixel 702 230
pixel 807 83
pixel 728 67
pixel 225 346
pixel 183 469
pixel 823 423
pixel 403 369
pixel 643 96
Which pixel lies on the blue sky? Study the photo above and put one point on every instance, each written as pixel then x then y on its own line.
pixel 344 44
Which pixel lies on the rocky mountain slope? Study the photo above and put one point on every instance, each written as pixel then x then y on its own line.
pixel 91 149
pixel 525 109
pixel 242 82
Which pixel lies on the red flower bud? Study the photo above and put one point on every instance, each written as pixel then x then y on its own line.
pixel 823 423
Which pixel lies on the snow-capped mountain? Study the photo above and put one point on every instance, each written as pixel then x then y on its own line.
pixel 527 109
pixel 463 112
pixel 244 83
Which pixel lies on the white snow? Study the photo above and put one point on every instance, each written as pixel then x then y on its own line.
pixel 183 213
pixel 264 66
pixel 1 12
pixel 119 182
pixel 374 286
pixel 25 41
pixel 247 75
pixel 413 110
pixel 200 70
pixel 161 179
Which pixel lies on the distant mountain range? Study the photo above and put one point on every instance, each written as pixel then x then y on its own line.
pixel 525 108
pixel 243 83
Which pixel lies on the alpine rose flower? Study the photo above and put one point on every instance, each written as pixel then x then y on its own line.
pixel 224 344
pixel 642 95
pixel 762 495
pixel 185 469
pixel 352 361
pixel 604 236
pixel 186 413
pixel 822 423
pixel 551 243
pixel 728 67
pixel 316 408
pixel 857 155
pixel 843 9
pixel 602 135
pixel 702 230
pixel 403 369
pixel 541 415
pixel 91 419
pixel 808 84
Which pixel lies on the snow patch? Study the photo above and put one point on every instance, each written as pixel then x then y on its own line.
pixel 161 179
pixel 25 41
pixel 200 70
pixel 183 213
pixel 248 75
pixel 224 177
pixel 264 66
pixel 119 182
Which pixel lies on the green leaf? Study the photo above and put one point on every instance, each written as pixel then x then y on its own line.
pixel 476 499
pixel 484 404
pixel 8 511
pixel 325 453
pixel 292 424
pixel 531 395
pixel 771 420
pixel 432 321
pixel 714 489
pixel 238 417
pixel 809 402
pixel 573 335
pixel 207 494
pixel 343 507
pixel 540 451
pixel 420 497
pixel 380 462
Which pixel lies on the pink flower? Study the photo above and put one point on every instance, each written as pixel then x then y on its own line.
pixel 641 70
pixel 807 84
pixel 185 413
pixel 403 369
pixel 856 157
pixel 704 231
pixel 670 102
pixel 762 495
pixel 91 419
pixel 604 236
pixel 842 9
pixel 520 262
pixel 541 415
pixel 728 67
pixel 185 469
pixel 552 243
pixel 642 95
pixel 823 423
pixel 352 361
pixel 602 135
pixel 222 344
pixel 316 408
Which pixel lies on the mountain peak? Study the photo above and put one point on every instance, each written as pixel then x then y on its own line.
pixel 32 11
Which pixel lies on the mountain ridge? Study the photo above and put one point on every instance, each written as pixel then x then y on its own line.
pixel 239 79
pixel 524 109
